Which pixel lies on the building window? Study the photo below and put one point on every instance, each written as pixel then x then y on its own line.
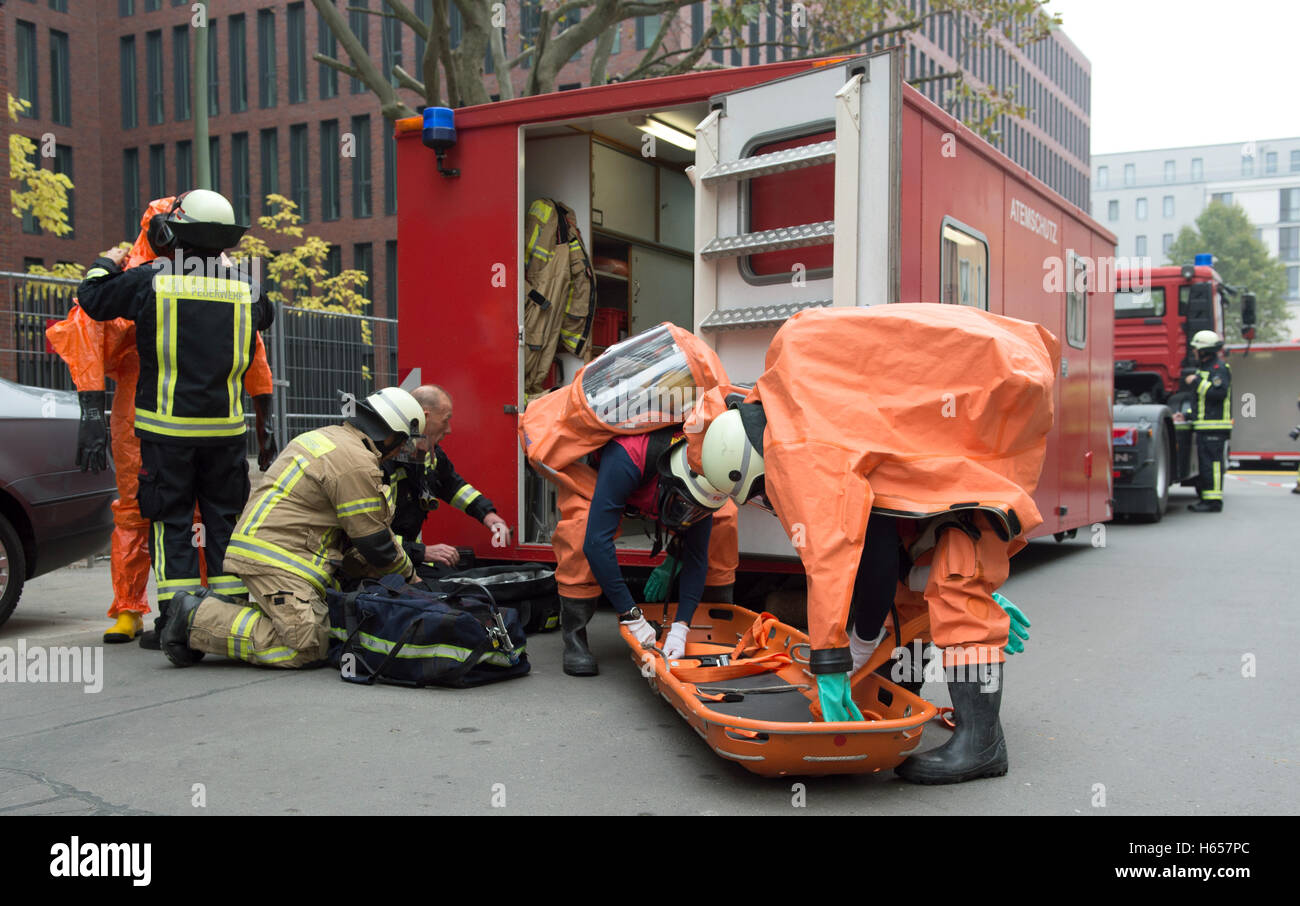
pixel 181 71
pixel 963 266
pixel 239 179
pixel 1288 244
pixel 424 12
pixel 329 170
pixel 1289 205
pixel 184 166
pixel 151 6
pixel 1221 198
pixel 359 22
pixel 60 77
pixel 266 58
pixel 1247 165
pixel 1295 161
pixel 361 195
pixel 327 45
pixel 390 172
pixel 131 191
pixel 126 7
pixel 646 29
pixel 363 259
pixel 30 223
pixel 238 65
pixel 157 171
pixel 1198 169
pixel 296 25
pixel 214 162
pixel 270 154
pixel 1169 171
pixel 1130 174
pixel 63 164
pixel 1140 209
pixel 1166 243
pixel 1293 283
pixel 1103 177
pixel 1076 302
pixel 1270 162
pixel 1140 247
pixel 153 85
pixel 28 80
pixel 1167 206
pixel 334 261
pixel 1112 210
pixel 126 63
pixel 298 169
pixel 214 89
pixel 390 278
pixel 391 46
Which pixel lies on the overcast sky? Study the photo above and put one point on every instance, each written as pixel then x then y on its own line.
pixel 1170 73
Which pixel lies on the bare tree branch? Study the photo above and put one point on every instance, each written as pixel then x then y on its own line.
pixel 390 104
pixel 444 53
pixel 406 81
pixel 335 64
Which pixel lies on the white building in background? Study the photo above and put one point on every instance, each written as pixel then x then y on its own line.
pixel 1146 197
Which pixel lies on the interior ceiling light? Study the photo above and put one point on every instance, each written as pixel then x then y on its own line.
pixel 660 129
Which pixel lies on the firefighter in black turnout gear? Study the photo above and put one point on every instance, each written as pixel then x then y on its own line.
pixel 422 475
pixel 1212 383
pixel 196 320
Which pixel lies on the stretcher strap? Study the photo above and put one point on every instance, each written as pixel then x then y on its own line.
pixel 745 657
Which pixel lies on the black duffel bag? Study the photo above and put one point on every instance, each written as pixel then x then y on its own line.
pixel 397 633
pixel 527 587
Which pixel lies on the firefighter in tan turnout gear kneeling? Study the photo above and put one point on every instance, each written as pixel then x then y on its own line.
pixel 322 497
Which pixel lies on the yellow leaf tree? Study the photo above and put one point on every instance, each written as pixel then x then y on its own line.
pixel 39 192
pixel 296 276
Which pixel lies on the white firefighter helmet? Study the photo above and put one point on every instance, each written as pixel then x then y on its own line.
pixel 1206 339
pixel 685 497
pixel 387 412
pixel 201 218
pixel 730 459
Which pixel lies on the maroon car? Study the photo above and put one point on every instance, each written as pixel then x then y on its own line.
pixel 51 513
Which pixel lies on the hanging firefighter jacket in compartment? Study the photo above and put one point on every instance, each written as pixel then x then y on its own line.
pixel 560 291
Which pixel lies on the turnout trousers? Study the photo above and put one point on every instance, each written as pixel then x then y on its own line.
pixel 1211 447
pixel 172 479
pixel 285 625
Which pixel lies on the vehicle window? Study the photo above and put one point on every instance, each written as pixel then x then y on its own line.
pixel 1076 303
pixel 964 267
pixel 1140 303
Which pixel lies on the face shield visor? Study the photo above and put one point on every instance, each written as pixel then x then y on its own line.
pixel 685 497
pixel 644 380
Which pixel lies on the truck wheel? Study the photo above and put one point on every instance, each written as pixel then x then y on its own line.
pixel 13 569
pixel 1160 493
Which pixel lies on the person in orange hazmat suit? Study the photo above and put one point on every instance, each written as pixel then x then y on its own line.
pixel 623 411
pixel 933 416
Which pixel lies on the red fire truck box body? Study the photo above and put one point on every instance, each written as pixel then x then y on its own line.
pixel 930 213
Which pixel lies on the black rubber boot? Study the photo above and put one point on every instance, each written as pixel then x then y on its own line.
pixel 977 748
pixel 1207 506
pixel 175 634
pixel 575 614
pixel 719 594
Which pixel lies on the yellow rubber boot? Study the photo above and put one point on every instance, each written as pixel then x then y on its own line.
pixel 127 627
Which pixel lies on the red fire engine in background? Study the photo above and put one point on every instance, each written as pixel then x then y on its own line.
pixel 815 183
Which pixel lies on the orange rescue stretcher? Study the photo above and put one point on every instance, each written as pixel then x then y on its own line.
pixel 743 685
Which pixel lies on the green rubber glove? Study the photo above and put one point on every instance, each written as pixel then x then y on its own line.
pixel 661 580
pixel 837 703
pixel 1019 625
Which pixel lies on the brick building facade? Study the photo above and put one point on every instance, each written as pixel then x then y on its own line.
pixel 111 101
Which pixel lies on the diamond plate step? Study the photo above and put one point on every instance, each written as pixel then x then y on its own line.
pixel 790 237
pixel 775 162
pixel 757 315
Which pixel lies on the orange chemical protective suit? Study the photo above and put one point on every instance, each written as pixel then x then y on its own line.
pixel 558 429
pixel 95 350
pixel 910 409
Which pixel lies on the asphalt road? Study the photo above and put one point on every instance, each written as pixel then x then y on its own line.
pixel 1130 699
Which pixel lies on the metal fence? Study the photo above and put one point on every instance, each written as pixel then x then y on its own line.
pixel 313 354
